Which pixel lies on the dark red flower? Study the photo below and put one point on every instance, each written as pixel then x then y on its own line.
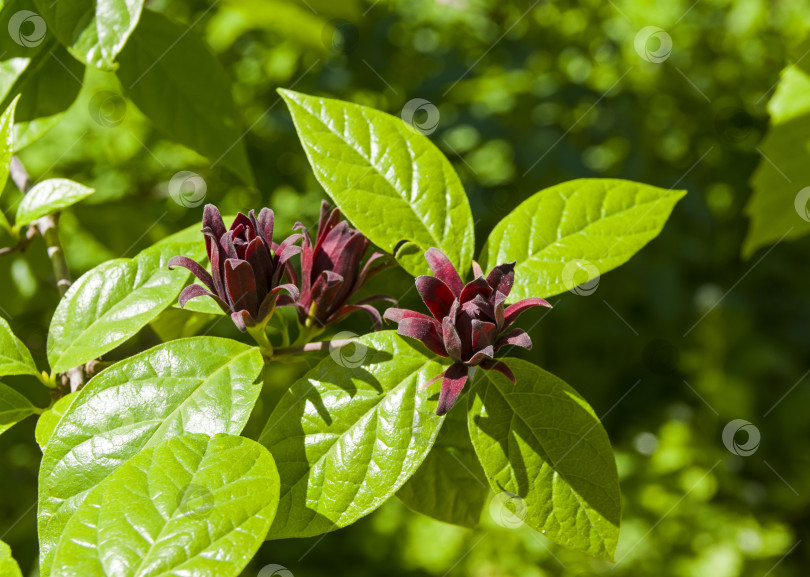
pixel 247 267
pixel 331 273
pixel 470 322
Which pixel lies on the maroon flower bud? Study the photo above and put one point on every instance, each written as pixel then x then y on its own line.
pixel 331 273
pixel 470 322
pixel 246 267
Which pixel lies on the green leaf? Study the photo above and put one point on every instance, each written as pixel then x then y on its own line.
pixel 15 358
pixel 48 87
pixel 587 225
pixel 50 418
pixel 197 385
pixel 778 207
pixel 13 408
pixel 194 506
pixel 539 440
pixel 449 485
pixel 6 142
pixel 172 77
pixel 389 180
pixel 8 566
pixel 112 302
pixel 49 196
pixel 346 439
pixel 94 31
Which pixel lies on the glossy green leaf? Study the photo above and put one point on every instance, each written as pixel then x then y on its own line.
pixel 50 418
pixel 573 232
pixel 197 385
pixel 6 142
pixel 348 434
pixel 49 196
pixel 15 358
pixel 13 407
pixel 388 179
pixel 94 31
pixel 172 77
pixel 779 207
pixel 8 566
pixel 541 443
pixel 48 87
pixel 193 505
pixel 112 302
pixel 449 485
pixel 176 323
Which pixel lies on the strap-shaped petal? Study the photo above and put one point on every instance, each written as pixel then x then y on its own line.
pixel 453 382
pixel 500 366
pixel 444 270
pixel 436 295
pixel 241 286
pixel 474 288
pixel 502 277
pixel 193 291
pixel 452 342
pixel 515 338
pixel 426 330
pixel 196 269
pixel 513 311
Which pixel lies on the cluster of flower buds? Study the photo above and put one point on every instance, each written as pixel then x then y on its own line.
pixel 247 269
pixel 470 323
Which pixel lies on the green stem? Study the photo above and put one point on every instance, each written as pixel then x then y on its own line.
pixel 259 334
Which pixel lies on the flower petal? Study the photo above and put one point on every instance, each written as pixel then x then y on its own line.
pixel 452 342
pixel 426 330
pixel 474 288
pixel 212 220
pixel 241 286
pixel 481 356
pixel 193 291
pixel 500 366
pixel 196 269
pixel 444 270
pixel 437 296
pixel 453 382
pixel 258 256
pixel 346 310
pixel 502 277
pixel 396 315
pixel 515 338
pixel 242 320
pixel 483 334
pixel 513 311
pixel 477 270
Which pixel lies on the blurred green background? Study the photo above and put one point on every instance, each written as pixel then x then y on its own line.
pixel 668 349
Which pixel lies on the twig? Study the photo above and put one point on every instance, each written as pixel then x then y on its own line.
pixel 46 227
